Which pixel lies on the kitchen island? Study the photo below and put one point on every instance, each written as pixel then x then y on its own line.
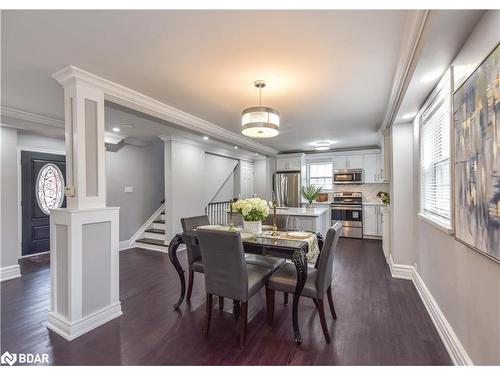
pixel 315 219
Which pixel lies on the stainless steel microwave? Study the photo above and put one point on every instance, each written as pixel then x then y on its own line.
pixel 347 176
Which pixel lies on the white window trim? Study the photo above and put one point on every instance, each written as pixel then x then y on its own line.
pixel 446 226
pixel 316 162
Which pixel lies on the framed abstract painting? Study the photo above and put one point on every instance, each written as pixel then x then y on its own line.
pixel 476 119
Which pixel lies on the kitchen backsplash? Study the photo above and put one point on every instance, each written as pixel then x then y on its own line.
pixel 369 190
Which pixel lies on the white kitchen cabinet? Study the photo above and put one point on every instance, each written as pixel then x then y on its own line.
pixel 355 162
pixel 340 162
pixel 293 163
pixel 372 221
pixel 348 162
pixel 371 168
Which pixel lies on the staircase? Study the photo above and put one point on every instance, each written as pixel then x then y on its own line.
pixel 153 237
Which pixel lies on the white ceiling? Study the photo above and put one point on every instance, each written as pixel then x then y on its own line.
pixel 329 73
pixel 445 33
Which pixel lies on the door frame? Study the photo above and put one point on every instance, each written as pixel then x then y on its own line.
pixel 19 195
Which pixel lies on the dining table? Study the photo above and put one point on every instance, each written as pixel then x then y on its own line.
pixel 277 246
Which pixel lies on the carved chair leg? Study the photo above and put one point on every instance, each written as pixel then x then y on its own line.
pixel 190 285
pixel 209 313
pixel 243 318
pixel 221 303
pixel 330 302
pixel 270 305
pixel 322 318
pixel 285 298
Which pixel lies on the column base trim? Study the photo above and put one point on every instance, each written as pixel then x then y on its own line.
pixel 10 272
pixel 70 331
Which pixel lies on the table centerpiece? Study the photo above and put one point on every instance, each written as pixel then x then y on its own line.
pixel 253 210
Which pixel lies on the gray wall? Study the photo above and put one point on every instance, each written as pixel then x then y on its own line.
pixel 8 197
pixel 465 284
pixel 140 168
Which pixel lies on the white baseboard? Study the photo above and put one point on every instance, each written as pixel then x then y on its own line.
pixel 450 340
pixel 452 343
pixel 124 245
pixel 10 272
pixel 70 331
pixel 400 271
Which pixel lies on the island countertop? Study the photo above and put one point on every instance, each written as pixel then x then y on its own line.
pixel 302 211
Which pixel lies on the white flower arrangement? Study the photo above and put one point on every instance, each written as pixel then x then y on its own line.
pixel 252 209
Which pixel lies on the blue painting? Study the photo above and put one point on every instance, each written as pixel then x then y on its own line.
pixel 476 106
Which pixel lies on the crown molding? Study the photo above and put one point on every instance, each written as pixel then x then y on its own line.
pixel 124 96
pixel 405 63
pixel 113 138
pixel 32 117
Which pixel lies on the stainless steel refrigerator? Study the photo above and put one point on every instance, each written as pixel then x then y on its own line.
pixel 287 189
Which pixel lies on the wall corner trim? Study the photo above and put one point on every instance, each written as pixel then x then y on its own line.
pixel 10 272
pixel 452 343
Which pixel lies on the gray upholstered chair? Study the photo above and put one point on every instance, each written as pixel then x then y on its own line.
pixel 195 263
pixel 318 283
pixel 227 274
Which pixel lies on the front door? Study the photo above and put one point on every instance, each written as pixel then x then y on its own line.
pixel 42 184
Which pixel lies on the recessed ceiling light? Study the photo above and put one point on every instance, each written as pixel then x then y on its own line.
pixel 235 147
pixel 205 138
pixel 431 76
pixel 322 146
pixel 117 130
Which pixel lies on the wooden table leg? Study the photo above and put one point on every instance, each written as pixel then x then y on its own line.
pixel 300 260
pixel 172 254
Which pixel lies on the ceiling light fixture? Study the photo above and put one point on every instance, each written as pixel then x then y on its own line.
pixel 235 147
pixel 322 146
pixel 117 130
pixel 205 138
pixel 260 122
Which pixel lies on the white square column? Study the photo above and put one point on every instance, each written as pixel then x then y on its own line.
pixel 84 240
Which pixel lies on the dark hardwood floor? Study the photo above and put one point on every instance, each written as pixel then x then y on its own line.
pixel 381 321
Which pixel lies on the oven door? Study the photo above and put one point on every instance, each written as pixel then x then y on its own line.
pixel 351 218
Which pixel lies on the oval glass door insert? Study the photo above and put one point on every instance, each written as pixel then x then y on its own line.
pixel 49 188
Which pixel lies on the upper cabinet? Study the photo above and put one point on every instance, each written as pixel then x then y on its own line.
pixel 291 162
pixel 348 162
pixel 371 168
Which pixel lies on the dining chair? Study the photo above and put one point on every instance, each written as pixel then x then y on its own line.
pixel 227 274
pixel 318 282
pixel 195 263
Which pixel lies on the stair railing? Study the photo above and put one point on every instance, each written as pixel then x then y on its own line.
pixel 217 212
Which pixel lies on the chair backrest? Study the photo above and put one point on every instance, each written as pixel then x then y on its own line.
pixel 325 264
pixel 224 264
pixel 281 221
pixel 188 224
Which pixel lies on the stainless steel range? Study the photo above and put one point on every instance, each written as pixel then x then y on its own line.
pixel 347 207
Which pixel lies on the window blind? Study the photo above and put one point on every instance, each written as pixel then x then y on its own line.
pixel 435 153
pixel 321 174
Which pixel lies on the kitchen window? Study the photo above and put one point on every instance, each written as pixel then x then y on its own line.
pixel 435 143
pixel 320 174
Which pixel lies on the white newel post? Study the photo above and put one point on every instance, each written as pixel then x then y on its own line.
pixel 84 236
